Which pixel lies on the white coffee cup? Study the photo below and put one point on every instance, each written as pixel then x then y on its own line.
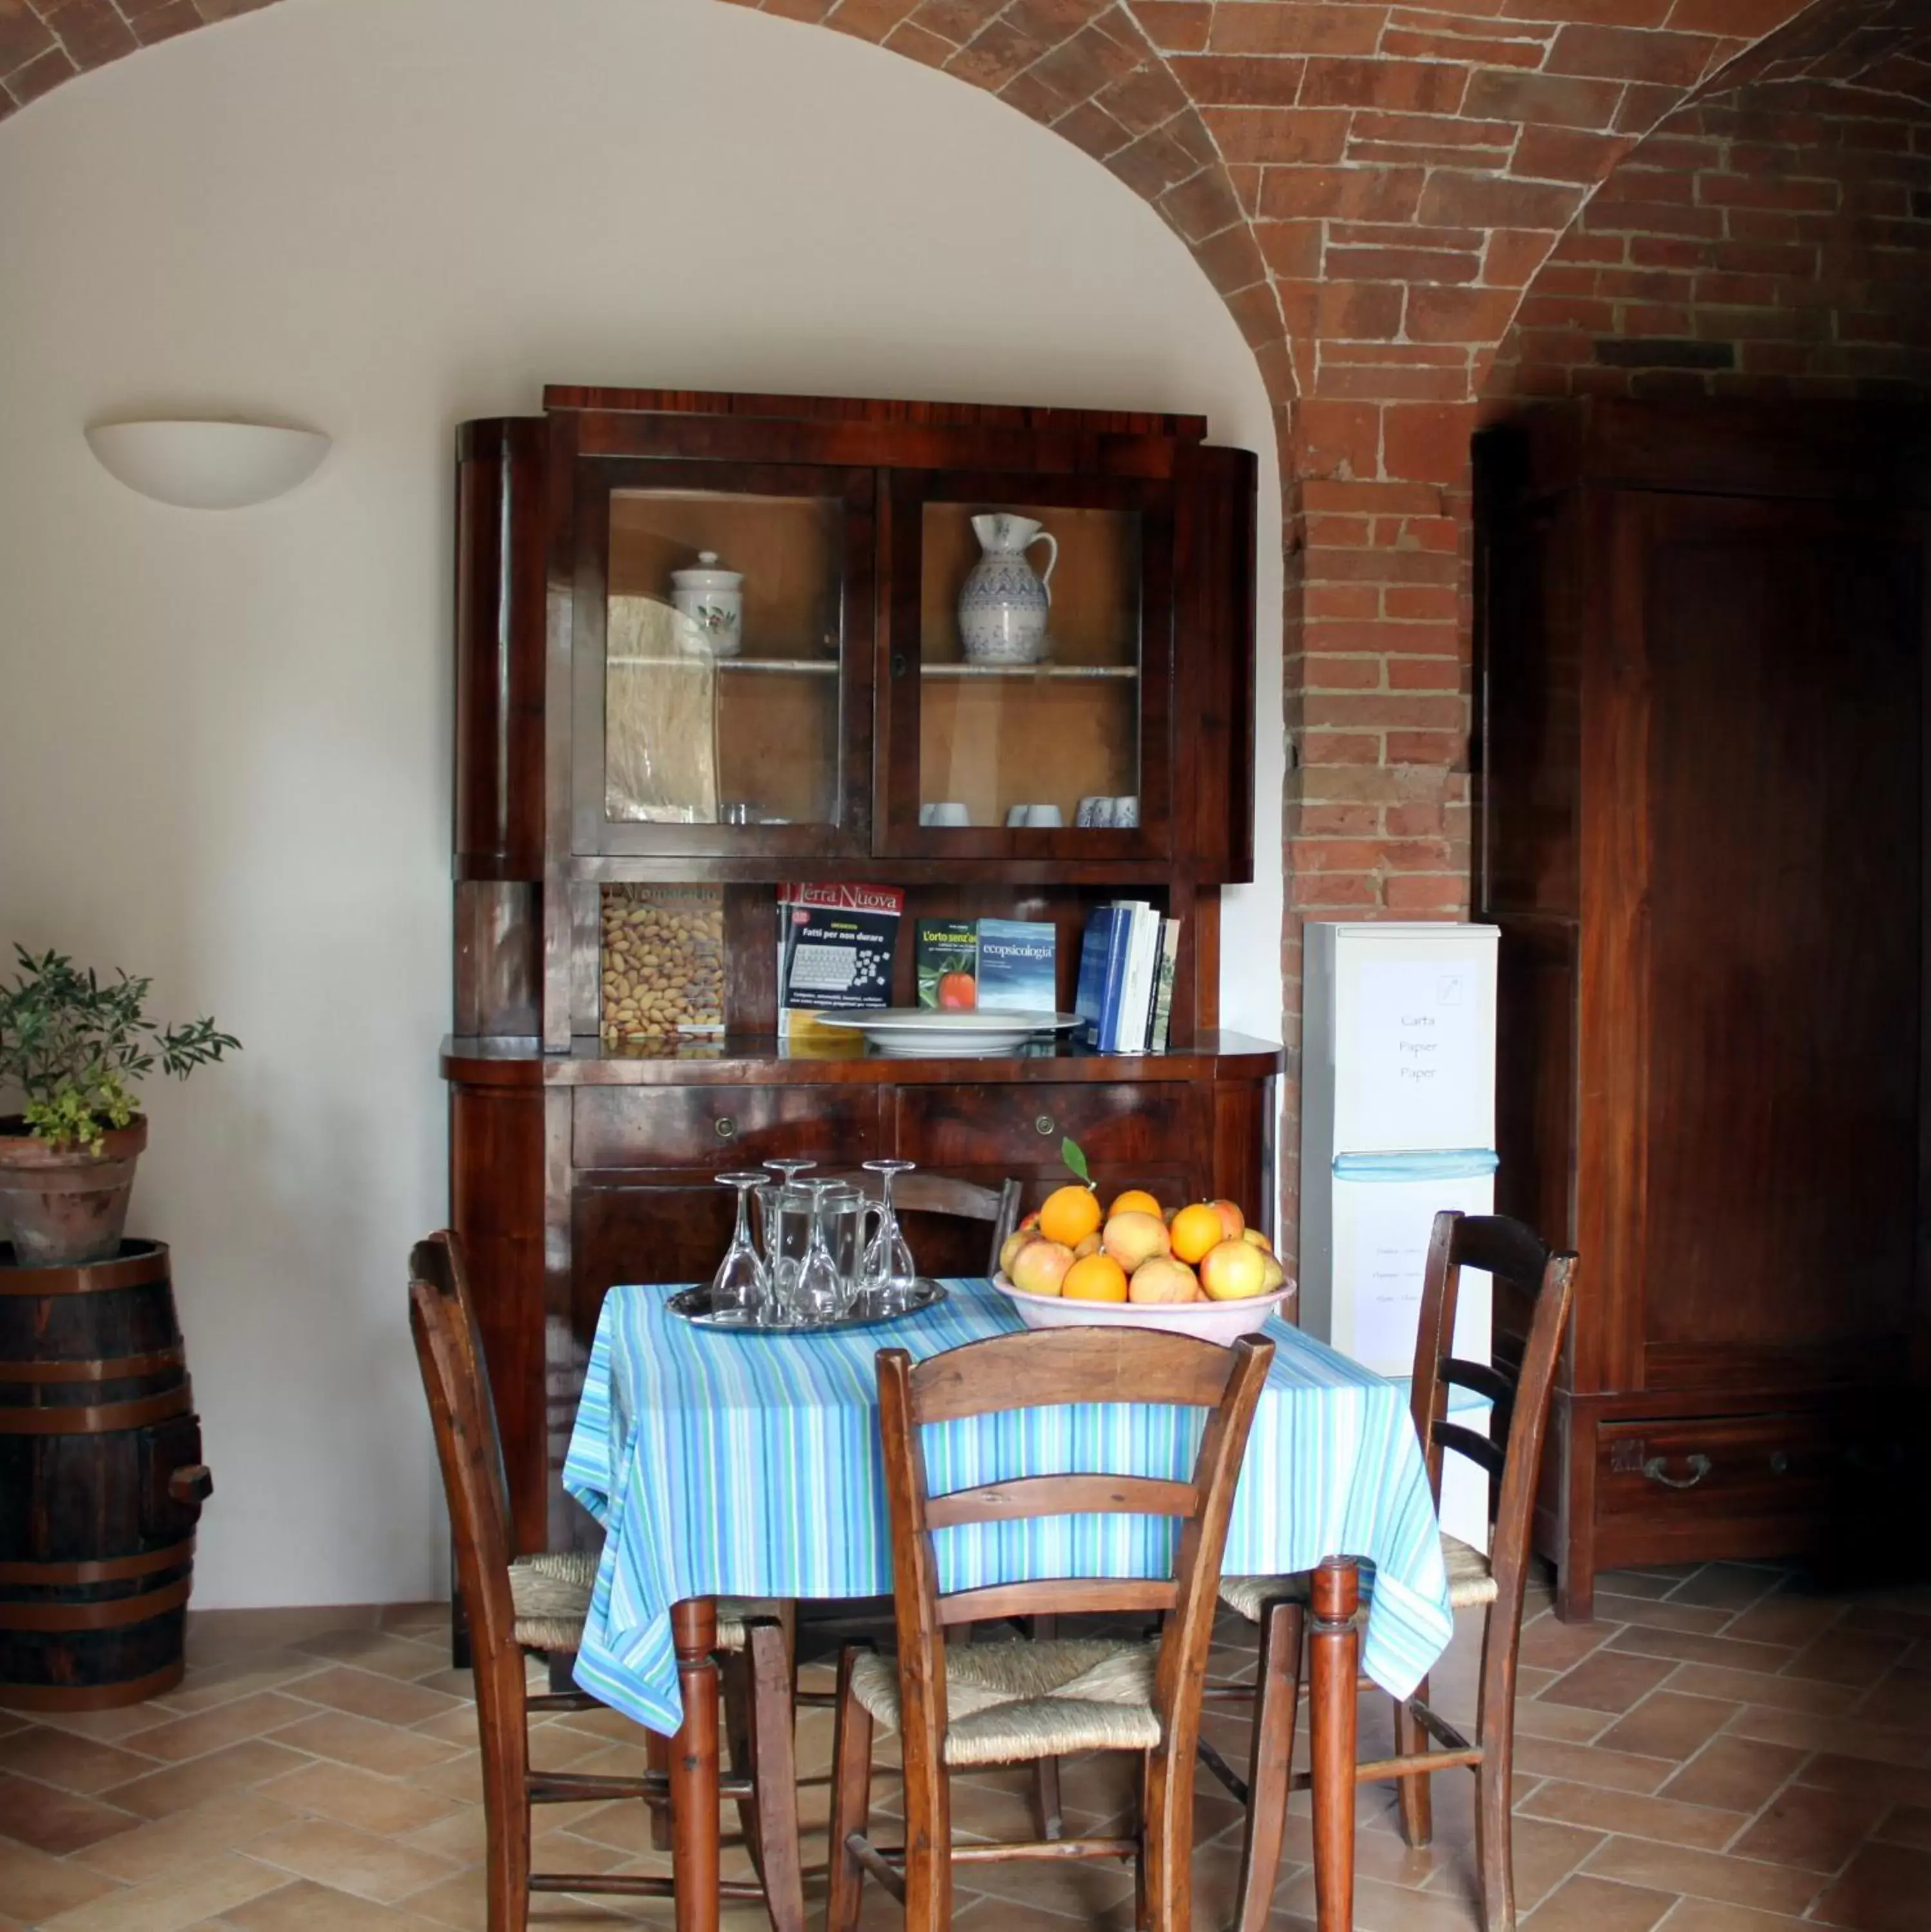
pixel 1043 815
pixel 1125 813
pixel 1016 814
pixel 1093 810
pixel 949 811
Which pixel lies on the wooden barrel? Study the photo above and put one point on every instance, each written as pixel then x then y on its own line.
pixel 101 1482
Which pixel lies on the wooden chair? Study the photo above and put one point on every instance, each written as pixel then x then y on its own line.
pixel 519 1604
pixel 1510 1452
pixel 1016 1702
pixel 922 1193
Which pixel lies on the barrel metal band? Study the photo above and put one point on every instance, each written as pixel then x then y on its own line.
pixel 18 1696
pixel 148 1264
pixel 97 1616
pixel 113 1369
pixel 107 1569
pixel 100 1420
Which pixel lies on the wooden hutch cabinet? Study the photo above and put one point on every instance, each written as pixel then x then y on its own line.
pixel 1702 777
pixel 597 754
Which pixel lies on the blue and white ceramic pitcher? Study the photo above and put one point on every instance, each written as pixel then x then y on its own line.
pixel 1002 608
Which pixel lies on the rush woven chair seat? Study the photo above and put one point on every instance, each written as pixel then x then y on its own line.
pixel 1533 1290
pixel 1021 1701
pixel 519 1604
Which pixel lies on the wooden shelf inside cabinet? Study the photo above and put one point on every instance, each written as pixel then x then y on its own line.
pixel 738 667
pixel 1076 673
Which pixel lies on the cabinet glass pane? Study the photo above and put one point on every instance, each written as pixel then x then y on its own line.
pixel 721 696
pixel 1017 727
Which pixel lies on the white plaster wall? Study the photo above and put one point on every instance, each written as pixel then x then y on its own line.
pixel 224 737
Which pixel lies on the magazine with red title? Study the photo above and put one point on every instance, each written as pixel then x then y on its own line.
pixel 835 944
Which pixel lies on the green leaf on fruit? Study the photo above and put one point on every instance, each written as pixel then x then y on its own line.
pixel 1069 1152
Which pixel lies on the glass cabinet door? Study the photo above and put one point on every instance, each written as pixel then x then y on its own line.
pixel 1030 624
pixel 722 650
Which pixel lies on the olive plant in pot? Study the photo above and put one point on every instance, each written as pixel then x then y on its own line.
pixel 75 1047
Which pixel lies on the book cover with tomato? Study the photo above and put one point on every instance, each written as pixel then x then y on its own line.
pixel 946 964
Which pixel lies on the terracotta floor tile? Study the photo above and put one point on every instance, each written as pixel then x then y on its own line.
pixel 1700 1915
pixel 1383 1908
pixel 1609 1681
pixel 221 1684
pixel 249 1716
pixel 218 1825
pixel 1909 1825
pixel 1900 1697
pixel 1734 1773
pixel 1711 1875
pixel 34 1886
pixel 1884 1888
pixel 260 1629
pixel 351 1796
pixel 1866 1777
pixel 1623 1812
pixel 57 1822
pixel 73 1763
pixel 374 1747
pixel 1729 1652
pixel 172 1901
pixel 235 1769
pixel 1815 1828
pixel 1753 1687
pixel 460 1836
pixel 1591 1764
pixel 1870 1616
pixel 1637 1582
pixel 457 1726
pixel 361 1862
pixel 1668 1724
pixel 1661 1613
pixel 1730 1586
pixel 109 1726
pixel 1843 1657
pixel 1563 1723
pixel 368 1694
pixel 1847 1736
pixel 382 1651
pixel 424 1620
pixel 305 1907
pixel 460 1778
pixel 1549 1644
pixel 1586 1904
pixel 1789 1617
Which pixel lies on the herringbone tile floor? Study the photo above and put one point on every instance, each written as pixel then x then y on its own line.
pixel 1723 1751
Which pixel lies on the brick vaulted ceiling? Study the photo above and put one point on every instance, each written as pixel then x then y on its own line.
pixel 1371 185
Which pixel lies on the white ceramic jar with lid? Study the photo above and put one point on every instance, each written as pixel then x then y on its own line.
pixel 713 600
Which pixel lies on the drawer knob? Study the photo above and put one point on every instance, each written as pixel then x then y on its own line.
pixel 1044 1124
pixel 725 1127
pixel 1779 1463
pixel 1656 1469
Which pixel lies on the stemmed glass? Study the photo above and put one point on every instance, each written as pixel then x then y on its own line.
pixel 888 1257
pixel 783 1272
pixel 741 1285
pixel 821 1284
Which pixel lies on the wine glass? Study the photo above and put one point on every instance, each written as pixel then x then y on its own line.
pixel 821 1283
pixel 888 1260
pixel 788 1172
pixel 741 1285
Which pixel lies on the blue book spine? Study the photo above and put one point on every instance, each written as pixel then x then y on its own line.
pixel 1102 961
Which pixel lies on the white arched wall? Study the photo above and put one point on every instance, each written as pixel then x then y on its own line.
pixel 224 737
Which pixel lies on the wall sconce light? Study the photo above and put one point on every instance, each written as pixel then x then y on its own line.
pixel 207 466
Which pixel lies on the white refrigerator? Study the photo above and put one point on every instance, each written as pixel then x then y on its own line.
pixel 1397 1121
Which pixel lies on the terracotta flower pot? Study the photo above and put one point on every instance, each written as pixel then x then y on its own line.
pixel 65 1206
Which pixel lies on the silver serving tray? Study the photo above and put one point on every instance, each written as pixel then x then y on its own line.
pixel 693 1305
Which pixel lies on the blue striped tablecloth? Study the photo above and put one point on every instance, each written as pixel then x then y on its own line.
pixel 749 1466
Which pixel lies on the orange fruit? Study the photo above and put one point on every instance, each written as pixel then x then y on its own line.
pixel 1196 1229
pixel 1134 1200
pixel 1094 1278
pixel 1070 1214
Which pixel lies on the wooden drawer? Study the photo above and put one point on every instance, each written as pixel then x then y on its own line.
pixel 1698 1467
pixel 713 1126
pixel 1016 1129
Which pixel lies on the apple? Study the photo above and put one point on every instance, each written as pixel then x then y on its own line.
pixel 1274 1275
pixel 1090 1245
pixel 1162 1279
pixel 1009 1247
pixel 1258 1240
pixel 1040 1266
pixel 1232 1221
pixel 1236 1270
pixel 1133 1237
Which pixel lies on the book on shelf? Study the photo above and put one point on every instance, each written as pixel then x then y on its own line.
pixel 946 963
pixel 835 944
pixel 1127 962
pixel 1008 965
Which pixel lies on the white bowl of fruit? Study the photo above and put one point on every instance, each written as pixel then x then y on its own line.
pixel 1198 1269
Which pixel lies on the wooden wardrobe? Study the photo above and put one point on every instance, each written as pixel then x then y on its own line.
pixel 1700 750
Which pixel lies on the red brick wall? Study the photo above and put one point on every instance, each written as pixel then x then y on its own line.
pixel 1773 240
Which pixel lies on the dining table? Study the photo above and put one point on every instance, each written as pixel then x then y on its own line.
pixel 723 1462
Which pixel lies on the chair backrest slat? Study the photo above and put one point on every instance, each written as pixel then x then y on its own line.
pixel 1046 1368
pixel 1061 1496
pixel 1476 1446
pixel 1478 1379
pixel 1060 1367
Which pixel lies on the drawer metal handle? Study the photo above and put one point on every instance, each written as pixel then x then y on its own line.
pixel 1656 1470
pixel 1779 1463
pixel 1044 1124
pixel 725 1127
